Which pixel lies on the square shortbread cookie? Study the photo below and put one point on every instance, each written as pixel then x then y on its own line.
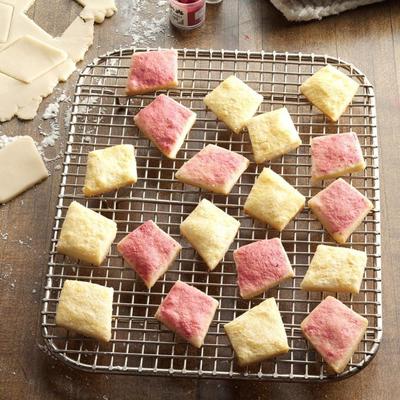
pixel 86 235
pixel 166 123
pixel 210 231
pixel 258 334
pixel 335 155
pixel 42 56
pixel 330 90
pixel 340 208
pixel 188 312
pixel 273 200
pixel 233 102
pixel 86 308
pixel 110 169
pixel 261 265
pixel 21 167
pixel 153 70
pixel 149 251
pixel 272 134
pixel 214 168
pixel 335 269
pixel 335 331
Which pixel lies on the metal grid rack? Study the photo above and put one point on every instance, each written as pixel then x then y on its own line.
pixel 102 116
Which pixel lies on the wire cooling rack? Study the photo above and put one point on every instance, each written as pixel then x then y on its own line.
pixel 103 116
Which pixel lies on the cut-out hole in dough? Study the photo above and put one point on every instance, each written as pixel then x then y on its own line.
pixel 6 13
pixel 62 13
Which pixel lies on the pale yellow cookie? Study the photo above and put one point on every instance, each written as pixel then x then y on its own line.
pixel 86 308
pixel 335 269
pixel 233 102
pixel 258 334
pixel 210 231
pixel 273 200
pixel 330 90
pixel 110 169
pixel 86 235
pixel 272 134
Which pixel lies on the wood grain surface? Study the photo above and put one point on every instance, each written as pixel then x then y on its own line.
pixel 368 37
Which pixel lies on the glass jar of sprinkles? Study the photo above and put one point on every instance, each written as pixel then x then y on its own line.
pixel 187 14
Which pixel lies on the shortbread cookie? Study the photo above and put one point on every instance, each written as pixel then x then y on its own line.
pixel 214 168
pixel 273 200
pixel 210 231
pixel 330 90
pixel 153 70
pixel 258 334
pixel 335 331
pixel 233 102
pixel 166 123
pixel 335 269
pixel 335 155
pixel 110 169
pixel 149 251
pixel 86 235
pixel 188 312
pixel 272 134
pixel 86 308
pixel 340 208
pixel 261 265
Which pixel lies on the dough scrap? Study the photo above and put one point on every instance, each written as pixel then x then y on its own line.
pixel 97 9
pixel 86 308
pixel 26 50
pixel 21 167
pixel 6 12
pixel 258 334
pixel 22 99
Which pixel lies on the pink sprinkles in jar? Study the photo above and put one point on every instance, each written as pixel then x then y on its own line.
pixel 187 14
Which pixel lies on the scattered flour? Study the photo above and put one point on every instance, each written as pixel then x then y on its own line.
pixel 149 20
pixel 3 236
pixel 4 140
pixel 51 111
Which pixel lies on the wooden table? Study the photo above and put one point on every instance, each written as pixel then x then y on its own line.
pixel 368 37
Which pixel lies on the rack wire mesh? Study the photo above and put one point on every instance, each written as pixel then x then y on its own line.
pixel 103 116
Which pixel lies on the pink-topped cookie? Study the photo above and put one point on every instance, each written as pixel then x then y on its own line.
pixel 260 266
pixel 335 332
pixel 335 155
pixel 149 251
pixel 340 208
pixel 166 123
pixel 188 312
pixel 153 70
pixel 214 168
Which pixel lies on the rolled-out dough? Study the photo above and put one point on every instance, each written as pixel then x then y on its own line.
pixel 21 167
pixel 97 9
pixel 28 58
pixel 6 12
pixel 22 99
